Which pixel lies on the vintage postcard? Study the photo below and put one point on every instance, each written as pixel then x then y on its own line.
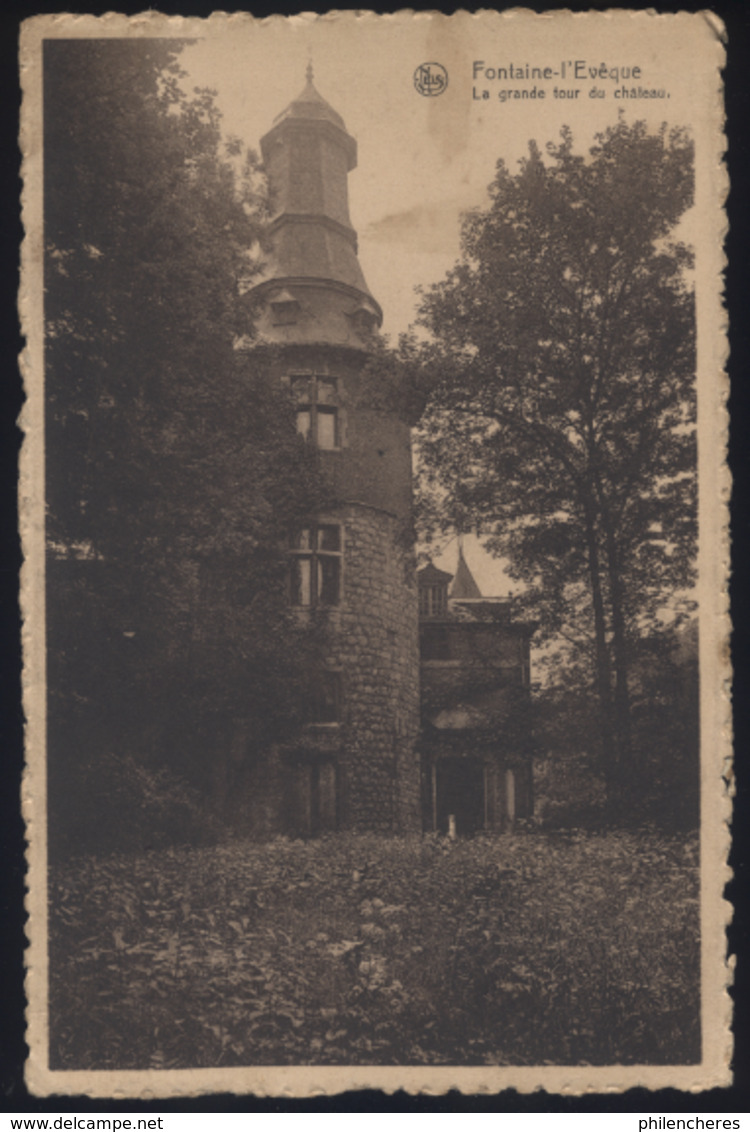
pixel 375 529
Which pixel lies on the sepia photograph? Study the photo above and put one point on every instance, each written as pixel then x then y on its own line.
pixel 376 553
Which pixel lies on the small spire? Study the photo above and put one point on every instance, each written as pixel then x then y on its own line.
pixel 464 586
pixel 309 72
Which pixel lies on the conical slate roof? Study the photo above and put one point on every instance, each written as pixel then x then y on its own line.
pixel 464 587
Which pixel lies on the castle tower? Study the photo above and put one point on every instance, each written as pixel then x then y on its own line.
pixel 356 766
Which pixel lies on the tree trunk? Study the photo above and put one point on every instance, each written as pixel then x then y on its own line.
pixel 623 736
pixel 607 749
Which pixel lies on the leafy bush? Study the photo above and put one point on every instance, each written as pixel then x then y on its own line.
pixel 568 791
pixel 121 801
pixel 522 949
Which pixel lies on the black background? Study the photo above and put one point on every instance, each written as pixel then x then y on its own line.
pixel 13 1095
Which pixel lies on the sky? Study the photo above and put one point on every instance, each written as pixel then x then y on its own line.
pixel 423 161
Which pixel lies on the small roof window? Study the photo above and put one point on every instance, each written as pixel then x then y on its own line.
pixel 365 318
pixel 284 308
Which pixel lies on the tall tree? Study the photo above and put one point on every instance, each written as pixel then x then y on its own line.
pixel 559 379
pixel 173 468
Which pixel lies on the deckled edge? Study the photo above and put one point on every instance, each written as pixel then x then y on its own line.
pixel 308 1081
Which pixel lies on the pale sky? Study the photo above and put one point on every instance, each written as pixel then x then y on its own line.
pixel 423 161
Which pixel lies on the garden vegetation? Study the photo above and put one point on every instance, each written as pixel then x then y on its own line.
pixel 529 948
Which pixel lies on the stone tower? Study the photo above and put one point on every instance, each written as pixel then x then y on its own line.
pixel 356 765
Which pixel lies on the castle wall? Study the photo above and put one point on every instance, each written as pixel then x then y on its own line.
pixel 373 462
pixel 376 648
pixel 363 772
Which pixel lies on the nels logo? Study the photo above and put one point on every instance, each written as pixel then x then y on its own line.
pixel 430 79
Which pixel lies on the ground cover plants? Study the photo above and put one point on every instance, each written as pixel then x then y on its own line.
pixel 528 948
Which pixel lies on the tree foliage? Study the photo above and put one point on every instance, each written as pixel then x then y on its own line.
pixel 559 388
pixel 174 471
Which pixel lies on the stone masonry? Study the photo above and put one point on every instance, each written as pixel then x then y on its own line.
pixel 376 649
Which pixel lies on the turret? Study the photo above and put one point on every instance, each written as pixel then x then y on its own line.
pixel 313 290
pixel 352 568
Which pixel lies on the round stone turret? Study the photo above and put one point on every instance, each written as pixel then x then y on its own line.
pixel 352 569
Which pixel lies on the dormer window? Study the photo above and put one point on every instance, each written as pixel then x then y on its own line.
pixel 433 591
pixel 285 308
pixel 365 318
pixel 433 600
pixel 317 410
